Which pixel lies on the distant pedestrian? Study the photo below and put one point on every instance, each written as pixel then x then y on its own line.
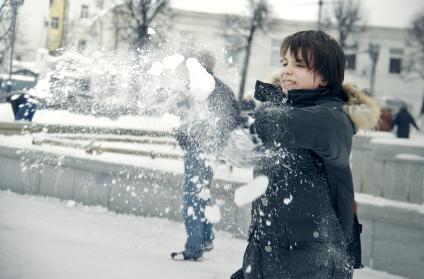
pixel 197 137
pixel 402 121
pixel 23 106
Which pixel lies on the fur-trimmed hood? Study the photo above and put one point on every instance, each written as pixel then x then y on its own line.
pixel 362 109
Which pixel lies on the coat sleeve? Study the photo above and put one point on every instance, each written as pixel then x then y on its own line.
pixel 314 128
pixel 343 197
pixel 414 123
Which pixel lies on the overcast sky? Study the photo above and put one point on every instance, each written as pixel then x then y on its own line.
pixel 390 13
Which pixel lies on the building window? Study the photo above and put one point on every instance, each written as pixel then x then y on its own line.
pixel 395 65
pixel 54 23
pixel 84 11
pixel 275 53
pixel 395 62
pixel 351 62
pixel 82 44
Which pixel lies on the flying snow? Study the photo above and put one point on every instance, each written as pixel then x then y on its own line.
pixel 213 213
pixel 201 82
pixel 249 192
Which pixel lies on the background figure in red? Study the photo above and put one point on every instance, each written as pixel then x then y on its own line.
pixel 386 120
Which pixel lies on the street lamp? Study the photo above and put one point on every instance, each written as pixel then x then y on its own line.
pixel 320 4
pixel 15 4
pixel 373 51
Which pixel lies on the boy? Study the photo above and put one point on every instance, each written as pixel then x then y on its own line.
pixel 301 226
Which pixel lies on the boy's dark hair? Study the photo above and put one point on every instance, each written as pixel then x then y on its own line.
pixel 320 52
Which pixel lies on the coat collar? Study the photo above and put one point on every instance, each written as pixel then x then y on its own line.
pixel 266 92
pixel 362 109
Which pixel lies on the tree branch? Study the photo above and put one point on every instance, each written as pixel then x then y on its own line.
pixel 157 10
pixel 3 5
pixel 130 7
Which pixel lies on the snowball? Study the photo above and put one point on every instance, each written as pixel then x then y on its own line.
pixel 190 211
pixel 288 200
pixel 173 61
pixel 204 194
pixel 213 213
pixel 14 97
pixel 156 69
pixel 151 31
pixel 201 82
pixel 249 192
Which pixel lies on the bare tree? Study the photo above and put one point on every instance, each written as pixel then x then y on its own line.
pixel 416 40
pixel 136 16
pixel 5 31
pixel 415 62
pixel 241 33
pixel 347 17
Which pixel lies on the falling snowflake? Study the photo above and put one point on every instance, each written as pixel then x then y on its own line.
pixel 288 200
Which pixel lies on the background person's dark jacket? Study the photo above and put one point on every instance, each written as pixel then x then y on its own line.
pixel 402 120
pixel 210 135
pixel 310 194
pixel 23 105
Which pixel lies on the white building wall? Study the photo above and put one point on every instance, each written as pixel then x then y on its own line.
pixel 31 29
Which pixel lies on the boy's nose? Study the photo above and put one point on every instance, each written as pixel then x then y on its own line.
pixel 286 71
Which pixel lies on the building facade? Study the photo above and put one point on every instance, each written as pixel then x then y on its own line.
pixel 56 27
pixel 91 24
pixel 390 80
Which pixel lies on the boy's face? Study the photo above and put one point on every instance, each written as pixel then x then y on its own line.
pixel 296 75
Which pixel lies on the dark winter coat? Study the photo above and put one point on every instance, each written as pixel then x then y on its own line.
pixel 224 115
pixel 307 138
pixel 223 105
pixel 402 120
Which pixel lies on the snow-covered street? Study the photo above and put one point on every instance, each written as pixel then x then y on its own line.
pixel 47 238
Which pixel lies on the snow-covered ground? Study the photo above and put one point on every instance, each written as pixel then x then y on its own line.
pixel 47 238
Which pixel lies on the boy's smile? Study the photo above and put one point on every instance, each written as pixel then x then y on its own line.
pixel 296 75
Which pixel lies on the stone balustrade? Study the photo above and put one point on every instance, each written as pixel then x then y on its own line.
pixel 393 236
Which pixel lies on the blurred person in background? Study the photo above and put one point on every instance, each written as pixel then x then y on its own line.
pixel 23 106
pixel 197 138
pixel 402 121
pixel 386 120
